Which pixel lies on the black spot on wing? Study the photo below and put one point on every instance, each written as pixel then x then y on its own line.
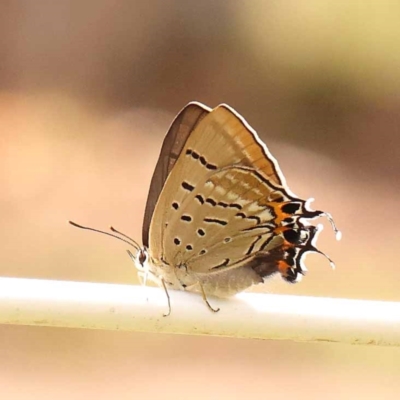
pixel 187 186
pixel 201 232
pixel 206 164
pixel 215 221
pixel 186 218
pixel 290 208
pixel 199 198
pixel 211 201
pixel 292 236
pixel 202 159
pixel 192 153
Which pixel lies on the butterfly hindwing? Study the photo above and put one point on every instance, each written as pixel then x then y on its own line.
pixel 222 223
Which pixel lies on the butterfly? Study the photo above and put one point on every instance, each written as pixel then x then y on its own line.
pixel 219 216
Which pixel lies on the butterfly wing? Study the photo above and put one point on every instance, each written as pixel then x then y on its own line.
pixel 225 207
pixel 174 141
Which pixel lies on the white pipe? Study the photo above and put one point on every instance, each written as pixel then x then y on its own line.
pixel 248 315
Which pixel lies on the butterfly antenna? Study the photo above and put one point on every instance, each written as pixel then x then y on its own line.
pixel 125 236
pixel 134 245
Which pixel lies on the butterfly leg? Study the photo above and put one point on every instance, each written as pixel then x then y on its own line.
pixel 168 298
pixel 142 278
pixel 141 275
pixel 203 293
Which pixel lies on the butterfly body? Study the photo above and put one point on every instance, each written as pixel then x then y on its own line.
pixel 222 284
pixel 219 216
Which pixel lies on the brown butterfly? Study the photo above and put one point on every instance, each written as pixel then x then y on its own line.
pixel 219 216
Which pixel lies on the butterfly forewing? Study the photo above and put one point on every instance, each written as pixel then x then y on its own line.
pixel 244 142
pixel 174 141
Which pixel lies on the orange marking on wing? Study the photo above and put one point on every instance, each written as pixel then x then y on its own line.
pixel 283 266
pixel 280 215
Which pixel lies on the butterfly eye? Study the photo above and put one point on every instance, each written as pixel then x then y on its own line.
pixel 142 257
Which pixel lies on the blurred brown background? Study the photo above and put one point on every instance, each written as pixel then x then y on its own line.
pixel 87 92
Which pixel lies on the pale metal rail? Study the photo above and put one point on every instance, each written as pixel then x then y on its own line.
pixel 248 315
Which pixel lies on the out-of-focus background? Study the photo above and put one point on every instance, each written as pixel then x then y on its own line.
pixel 88 90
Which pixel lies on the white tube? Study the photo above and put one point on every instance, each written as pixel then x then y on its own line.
pixel 135 308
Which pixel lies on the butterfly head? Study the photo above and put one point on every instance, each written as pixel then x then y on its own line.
pixel 142 256
pixel 141 259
